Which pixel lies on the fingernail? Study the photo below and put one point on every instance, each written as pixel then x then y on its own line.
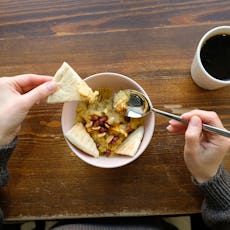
pixel 169 127
pixel 51 86
pixel 171 121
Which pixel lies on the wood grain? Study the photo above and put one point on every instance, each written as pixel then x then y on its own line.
pixel 152 42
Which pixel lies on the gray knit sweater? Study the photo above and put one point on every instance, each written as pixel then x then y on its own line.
pixel 216 205
pixel 216 191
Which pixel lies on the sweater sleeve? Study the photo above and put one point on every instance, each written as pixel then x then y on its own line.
pixel 5 153
pixel 216 205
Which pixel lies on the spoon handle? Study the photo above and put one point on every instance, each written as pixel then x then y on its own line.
pixel 206 127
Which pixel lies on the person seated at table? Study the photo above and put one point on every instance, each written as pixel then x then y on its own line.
pixel 203 155
pixel 203 151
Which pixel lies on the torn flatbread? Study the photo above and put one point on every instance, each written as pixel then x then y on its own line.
pixel 79 137
pixel 70 87
pixel 131 144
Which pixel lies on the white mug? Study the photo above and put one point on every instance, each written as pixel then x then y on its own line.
pixel 199 74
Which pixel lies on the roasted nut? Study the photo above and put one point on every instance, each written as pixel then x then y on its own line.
pixel 107 152
pixel 103 129
pixel 103 119
pixel 107 125
pixel 114 140
pixel 96 123
pixel 109 139
pixel 96 128
pixel 101 134
pixel 89 124
pixel 94 117
pixel 128 129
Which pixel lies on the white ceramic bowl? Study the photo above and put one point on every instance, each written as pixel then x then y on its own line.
pixel 116 82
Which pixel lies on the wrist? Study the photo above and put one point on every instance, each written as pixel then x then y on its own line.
pixel 6 140
pixel 9 145
pixel 204 178
pixel 201 175
pixel 8 136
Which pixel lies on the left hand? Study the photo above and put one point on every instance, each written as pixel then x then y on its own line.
pixel 18 95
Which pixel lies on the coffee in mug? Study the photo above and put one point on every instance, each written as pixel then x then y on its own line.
pixel 215 56
pixel 211 64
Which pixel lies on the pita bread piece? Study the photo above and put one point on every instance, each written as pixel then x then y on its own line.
pixel 70 87
pixel 79 137
pixel 131 144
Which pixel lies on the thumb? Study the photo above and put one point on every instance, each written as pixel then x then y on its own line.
pixel 193 132
pixel 39 93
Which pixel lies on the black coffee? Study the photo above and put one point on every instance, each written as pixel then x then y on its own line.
pixel 215 56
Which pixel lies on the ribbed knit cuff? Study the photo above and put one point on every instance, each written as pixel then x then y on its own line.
pixel 217 190
pixel 5 153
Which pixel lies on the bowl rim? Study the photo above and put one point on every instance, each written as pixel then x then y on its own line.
pixel 79 153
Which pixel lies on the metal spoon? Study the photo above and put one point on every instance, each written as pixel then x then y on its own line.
pixel 138 106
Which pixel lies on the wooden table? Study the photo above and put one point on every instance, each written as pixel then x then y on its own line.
pixel 152 42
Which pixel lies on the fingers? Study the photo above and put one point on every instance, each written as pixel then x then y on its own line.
pixel 39 93
pixel 33 88
pixel 176 127
pixel 193 133
pixel 27 82
pixel 208 117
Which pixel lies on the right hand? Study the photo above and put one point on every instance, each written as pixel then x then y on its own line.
pixel 203 151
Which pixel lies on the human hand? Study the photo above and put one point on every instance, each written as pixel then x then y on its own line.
pixel 18 95
pixel 203 151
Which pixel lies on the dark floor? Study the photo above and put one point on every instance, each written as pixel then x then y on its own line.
pixel 196 223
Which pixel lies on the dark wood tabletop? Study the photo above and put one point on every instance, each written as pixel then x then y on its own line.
pixel 152 42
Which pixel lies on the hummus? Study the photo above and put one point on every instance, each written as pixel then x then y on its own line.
pixel 107 127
